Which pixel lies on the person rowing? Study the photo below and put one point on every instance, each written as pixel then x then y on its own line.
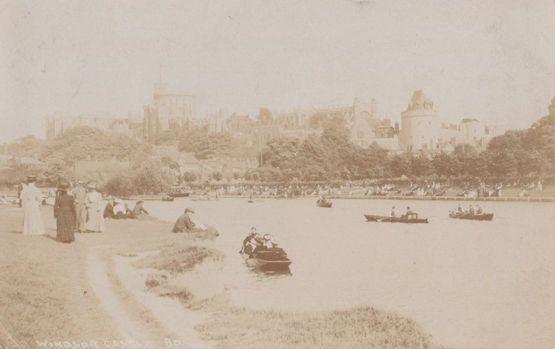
pixel 248 239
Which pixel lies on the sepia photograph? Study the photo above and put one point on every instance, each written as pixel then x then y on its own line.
pixel 277 174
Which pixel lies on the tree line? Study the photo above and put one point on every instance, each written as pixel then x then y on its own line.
pixel 331 156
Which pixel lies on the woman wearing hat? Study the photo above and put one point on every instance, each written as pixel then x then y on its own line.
pixel 95 210
pixel 31 199
pixel 64 212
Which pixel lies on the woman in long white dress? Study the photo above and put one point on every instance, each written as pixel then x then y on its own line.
pixel 31 199
pixel 95 211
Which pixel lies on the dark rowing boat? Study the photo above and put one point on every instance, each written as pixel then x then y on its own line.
pixel 472 216
pixel 326 204
pixel 179 194
pixel 266 260
pixel 411 219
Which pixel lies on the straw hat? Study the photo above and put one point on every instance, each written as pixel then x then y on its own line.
pixel 189 210
pixel 63 185
pixel 31 179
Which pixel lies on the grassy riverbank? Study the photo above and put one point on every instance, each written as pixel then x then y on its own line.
pixel 236 327
pixel 44 294
pixel 50 296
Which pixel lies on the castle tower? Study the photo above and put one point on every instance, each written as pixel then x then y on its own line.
pixel 419 124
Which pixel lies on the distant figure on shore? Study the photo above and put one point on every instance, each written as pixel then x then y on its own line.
pixel 65 214
pixel 109 208
pixel 184 222
pixel 31 199
pixel 95 222
pixel 120 210
pixel 139 210
pixel 19 190
pixel 80 197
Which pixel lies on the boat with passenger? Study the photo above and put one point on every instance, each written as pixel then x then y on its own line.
pixel 411 218
pixel 263 252
pixel 179 192
pixel 324 202
pixel 471 216
pixel 473 213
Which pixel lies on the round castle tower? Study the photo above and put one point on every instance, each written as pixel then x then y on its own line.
pixel 419 124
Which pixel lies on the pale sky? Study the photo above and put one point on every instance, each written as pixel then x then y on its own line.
pixel 494 60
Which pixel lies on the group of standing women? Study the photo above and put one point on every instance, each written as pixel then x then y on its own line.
pixel 80 212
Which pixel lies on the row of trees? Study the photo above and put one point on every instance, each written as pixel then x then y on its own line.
pixel 204 144
pixel 330 156
pixel 333 156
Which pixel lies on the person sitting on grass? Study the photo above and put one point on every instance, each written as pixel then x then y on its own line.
pixel 184 223
pixel 139 210
pixel 119 210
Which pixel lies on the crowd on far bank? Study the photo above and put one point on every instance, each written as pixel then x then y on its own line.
pixel 466 189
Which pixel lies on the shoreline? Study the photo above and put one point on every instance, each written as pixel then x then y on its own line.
pixel 448 198
pixel 374 197
pixel 58 293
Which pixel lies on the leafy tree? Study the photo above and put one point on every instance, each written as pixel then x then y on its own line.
pixel 189 177
pixel 217 176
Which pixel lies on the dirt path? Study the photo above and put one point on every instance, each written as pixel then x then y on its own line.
pixel 130 329
pixel 144 319
pixel 169 312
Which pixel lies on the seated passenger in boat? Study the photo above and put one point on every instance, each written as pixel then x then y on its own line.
pixel 249 242
pixel 459 209
pixel 393 211
pixel 470 209
pixel 409 214
pixel 268 242
pixel 479 210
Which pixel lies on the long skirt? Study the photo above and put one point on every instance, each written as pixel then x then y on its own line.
pixel 65 227
pixel 96 220
pixel 32 220
pixel 81 219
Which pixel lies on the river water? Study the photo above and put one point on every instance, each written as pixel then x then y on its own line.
pixel 470 284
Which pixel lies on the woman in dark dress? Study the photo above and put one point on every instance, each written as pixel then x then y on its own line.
pixel 64 212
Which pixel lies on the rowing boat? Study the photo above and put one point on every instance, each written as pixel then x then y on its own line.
pixel 412 219
pixel 472 216
pixel 259 260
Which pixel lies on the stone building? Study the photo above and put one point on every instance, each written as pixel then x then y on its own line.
pixel 57 124
pixel 422 129
pixel 368 128
pixel 419 124
pixel 168 110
